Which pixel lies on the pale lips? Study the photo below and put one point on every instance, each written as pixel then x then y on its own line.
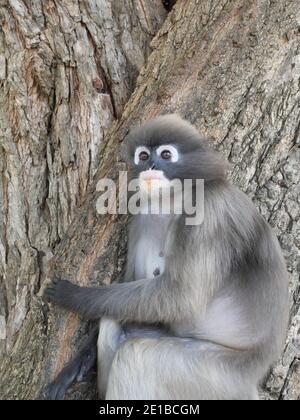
pixel 152 175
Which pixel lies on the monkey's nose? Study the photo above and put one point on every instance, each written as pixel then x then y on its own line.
pixel 153 166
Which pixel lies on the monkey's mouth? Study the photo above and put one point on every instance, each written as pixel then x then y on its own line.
pixel 153 179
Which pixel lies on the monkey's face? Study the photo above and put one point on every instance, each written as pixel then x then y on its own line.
pixel 160 162
pixel 169 148
pixel 153 164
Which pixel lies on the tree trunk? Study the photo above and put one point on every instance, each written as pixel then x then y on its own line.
pixel 67 68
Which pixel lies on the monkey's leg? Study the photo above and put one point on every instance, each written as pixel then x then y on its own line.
pixel 76 369
pixel 174 368
pixel 110 336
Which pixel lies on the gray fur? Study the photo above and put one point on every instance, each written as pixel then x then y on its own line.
pixel 221 294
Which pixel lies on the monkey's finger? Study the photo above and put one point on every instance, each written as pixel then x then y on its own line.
pixel 50 392
pixel 49 295
pixel 46 293
pixel 50 285
pixel 49 290
pixel 81 375
pixel 56 278
pixel 87 364
pixel 81 372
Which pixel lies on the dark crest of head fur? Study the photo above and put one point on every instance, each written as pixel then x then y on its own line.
pixel 196 159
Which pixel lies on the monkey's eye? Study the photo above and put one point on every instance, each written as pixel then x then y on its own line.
pixel 168 152
pixel 142 153
pixel 166 155
pixel 144 156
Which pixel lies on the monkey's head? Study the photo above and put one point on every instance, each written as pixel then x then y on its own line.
pixel 168 148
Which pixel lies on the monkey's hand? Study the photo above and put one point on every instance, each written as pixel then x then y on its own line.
pixel 85 301
pixel 62 292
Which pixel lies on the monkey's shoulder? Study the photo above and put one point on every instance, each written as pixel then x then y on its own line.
pixel 231 223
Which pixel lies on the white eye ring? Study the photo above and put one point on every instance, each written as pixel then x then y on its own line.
pixel 137 153
pixel 171 149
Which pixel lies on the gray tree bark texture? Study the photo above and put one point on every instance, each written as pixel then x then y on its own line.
pixel 74 76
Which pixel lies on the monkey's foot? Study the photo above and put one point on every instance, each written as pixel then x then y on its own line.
pixel 76 370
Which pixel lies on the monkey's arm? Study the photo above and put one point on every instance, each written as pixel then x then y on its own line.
pixel 142 300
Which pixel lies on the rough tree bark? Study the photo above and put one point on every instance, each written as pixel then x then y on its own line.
pixel 67 68
pixel 232 67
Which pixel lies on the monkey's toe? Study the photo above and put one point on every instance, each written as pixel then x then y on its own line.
pixel 56 391
pixel 87 363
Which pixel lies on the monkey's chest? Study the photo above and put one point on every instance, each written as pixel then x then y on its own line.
pixel 149 260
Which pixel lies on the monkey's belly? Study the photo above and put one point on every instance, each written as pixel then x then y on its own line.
pixel 149 261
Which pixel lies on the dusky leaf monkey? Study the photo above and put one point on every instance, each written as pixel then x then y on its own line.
pixel 203 309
